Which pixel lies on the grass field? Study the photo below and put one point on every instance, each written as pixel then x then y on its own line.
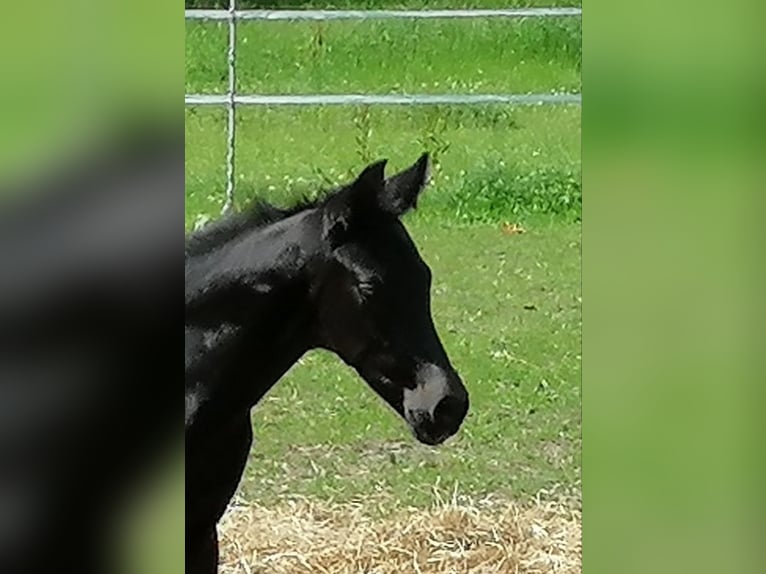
pixel 507 306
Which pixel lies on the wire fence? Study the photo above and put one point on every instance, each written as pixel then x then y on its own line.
pixel 231 99
pixel 381 99
pixel 378 14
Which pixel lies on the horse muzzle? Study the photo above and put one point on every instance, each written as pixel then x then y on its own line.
pixel 437 406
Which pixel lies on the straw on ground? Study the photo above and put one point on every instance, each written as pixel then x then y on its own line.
pixel 460 536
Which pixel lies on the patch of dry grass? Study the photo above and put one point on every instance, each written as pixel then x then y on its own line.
pixel 455 536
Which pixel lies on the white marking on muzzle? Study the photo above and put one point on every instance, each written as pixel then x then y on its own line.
pixel 432 386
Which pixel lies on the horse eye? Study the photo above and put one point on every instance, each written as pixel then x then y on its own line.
pixel 365 289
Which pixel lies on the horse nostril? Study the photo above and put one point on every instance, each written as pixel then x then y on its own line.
pixel 450 411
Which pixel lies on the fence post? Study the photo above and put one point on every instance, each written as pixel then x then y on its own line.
pixel 231 134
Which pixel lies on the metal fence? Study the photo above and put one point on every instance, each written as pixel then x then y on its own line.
pixel 231 99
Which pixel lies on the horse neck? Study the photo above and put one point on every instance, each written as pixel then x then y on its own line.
pixel 265 320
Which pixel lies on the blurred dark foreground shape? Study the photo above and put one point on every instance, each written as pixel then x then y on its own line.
pixel 91 272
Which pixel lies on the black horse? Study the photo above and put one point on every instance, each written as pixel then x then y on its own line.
pixel 262 288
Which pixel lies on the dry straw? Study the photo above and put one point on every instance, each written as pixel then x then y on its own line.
pixel 458 536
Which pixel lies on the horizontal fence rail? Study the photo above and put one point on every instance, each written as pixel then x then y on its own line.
pixel 377 14
pixel 382 99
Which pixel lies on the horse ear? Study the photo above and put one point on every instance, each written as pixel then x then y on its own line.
pixel 372 179
pixel 354 200
pixel 401 191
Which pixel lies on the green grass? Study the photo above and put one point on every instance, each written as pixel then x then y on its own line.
pixel 481 152
pixel 438 56
pixel 507 306
pixel 490 159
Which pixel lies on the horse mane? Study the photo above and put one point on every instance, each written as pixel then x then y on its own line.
pixel 258 214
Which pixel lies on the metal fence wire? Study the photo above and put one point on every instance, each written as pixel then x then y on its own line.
pixel 231 99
